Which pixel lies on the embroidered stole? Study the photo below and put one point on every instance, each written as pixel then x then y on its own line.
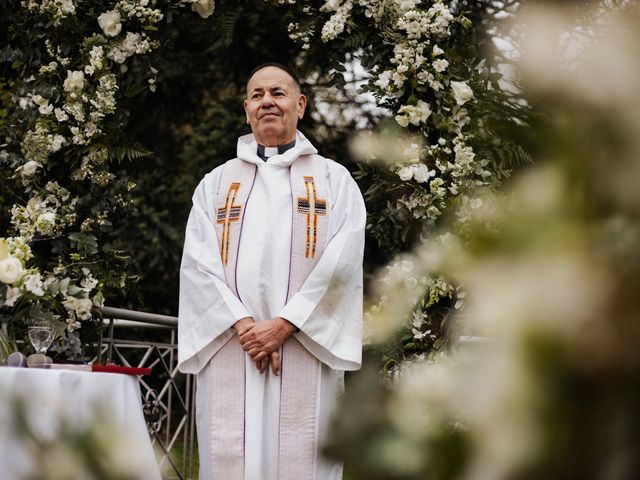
pixel 227 413
pixel 299 369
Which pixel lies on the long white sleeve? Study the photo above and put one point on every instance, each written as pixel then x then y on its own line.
pixel 208 308
pixel 328 307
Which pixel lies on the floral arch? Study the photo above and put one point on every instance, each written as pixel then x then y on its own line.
pixel 59 153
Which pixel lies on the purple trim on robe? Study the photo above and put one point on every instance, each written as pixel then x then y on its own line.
pixel 246 204
pixel 293 209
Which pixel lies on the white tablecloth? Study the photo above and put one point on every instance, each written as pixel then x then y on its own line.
pixel 78 399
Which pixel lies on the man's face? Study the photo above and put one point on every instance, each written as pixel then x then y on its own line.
pixel 273 106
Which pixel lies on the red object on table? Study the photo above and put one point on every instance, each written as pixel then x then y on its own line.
pixel 120 369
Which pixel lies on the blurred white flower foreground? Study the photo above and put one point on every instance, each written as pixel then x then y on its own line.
pixel 551 271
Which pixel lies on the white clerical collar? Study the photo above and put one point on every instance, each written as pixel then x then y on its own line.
pixel 270 151
pixel 266 152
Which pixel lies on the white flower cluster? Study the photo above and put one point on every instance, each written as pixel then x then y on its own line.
pixel 131 44
pixel 419 171
pixel 336 24
pixel 301 35
pixel 96 60
pixel 89 85
pixel 415 23
pixel 417 326
pixel 37 145
pixel 78 300
pixel 413 114
pixel 57 9
pixel 45 213
pixel 139 9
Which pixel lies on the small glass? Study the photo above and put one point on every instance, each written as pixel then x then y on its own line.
pixel 41 337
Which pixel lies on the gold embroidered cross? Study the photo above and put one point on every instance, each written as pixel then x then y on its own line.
pixel 311 206
pixel 227 214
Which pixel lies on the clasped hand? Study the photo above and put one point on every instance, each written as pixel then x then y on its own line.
pixel 261 340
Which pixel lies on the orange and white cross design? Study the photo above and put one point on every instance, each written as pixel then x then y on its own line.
pixel 227 214
pixel 311 206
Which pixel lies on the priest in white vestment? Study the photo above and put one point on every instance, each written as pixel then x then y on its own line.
pixel 271 295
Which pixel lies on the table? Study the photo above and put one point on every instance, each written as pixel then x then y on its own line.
pixel 79 400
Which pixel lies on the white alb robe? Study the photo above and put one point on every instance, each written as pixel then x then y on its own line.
pixel 327 309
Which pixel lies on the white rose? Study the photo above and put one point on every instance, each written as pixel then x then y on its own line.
pixel 29 168
pixel 204 8
pixel 422 173
pixel 462 91
pixel 437 50
pixel 110 23
pixel 402 120
pixel 10 270
pixel 74 81
pixel 405 174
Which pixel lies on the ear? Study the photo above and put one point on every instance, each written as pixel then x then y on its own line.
pixel 302 105
pixel 245 112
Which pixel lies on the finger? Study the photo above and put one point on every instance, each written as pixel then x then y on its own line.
pixel 250 346
pixel 244 329
pixel 261 365
pixel 246 336
pixel 275 363
pixel 259 355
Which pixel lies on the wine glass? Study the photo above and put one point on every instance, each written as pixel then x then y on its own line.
pixel 41 337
